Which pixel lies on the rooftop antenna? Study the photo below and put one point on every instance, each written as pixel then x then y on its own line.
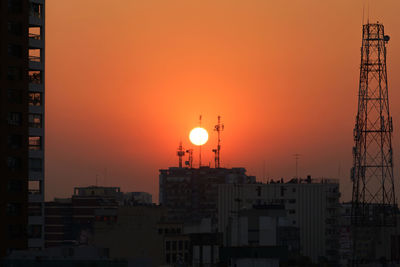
pixel 363 12
pixel 180 153
pixel 105 176
pixel 297 157
pixel 97 177
pixel 218 128
pixel 200 145
pixel 189 162
pixel 264 178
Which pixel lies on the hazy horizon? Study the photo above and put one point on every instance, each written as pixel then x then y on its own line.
pixel 126 82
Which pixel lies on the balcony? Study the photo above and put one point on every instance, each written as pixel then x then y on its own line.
pixel 35 77
pixel 36 14
pixel 36 37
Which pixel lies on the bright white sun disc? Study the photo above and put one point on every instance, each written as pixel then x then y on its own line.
pixel 198 136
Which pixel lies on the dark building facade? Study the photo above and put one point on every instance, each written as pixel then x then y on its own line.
pixel 191 194
pixel 21 130
pixel 70 221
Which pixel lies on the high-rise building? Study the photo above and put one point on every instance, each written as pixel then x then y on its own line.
pixel 312 205
pixel 22 52
pixel 191 194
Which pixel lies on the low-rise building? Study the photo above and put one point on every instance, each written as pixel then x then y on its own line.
pixel 70 221
pixel 133 234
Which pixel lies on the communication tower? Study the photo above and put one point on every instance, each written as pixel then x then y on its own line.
pixel 373 198
pixel 180 153
pixel 218 128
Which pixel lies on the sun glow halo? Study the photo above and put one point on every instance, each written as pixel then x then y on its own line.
pixel 198 136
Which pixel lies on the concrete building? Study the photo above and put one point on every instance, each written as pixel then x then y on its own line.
pixel 263 225
pixel 22 53
pixel 66 256
pixel 311 205
pixel 135 198
pixel 190 194
pixel 134 234
pixel 70 221
pixel 374 243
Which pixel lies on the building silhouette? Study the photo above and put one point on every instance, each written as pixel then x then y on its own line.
pixel 191 194
pixel 22 50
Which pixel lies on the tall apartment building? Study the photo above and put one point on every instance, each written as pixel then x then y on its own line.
pixel 312 205
pixel 22 124
pixel 190 194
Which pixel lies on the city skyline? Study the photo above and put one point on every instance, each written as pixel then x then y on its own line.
pixel 133 78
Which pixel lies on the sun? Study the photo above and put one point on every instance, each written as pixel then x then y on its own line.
pixel 198 136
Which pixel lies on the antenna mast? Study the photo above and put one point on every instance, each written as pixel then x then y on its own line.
pixel 189 162
pixel 200 145
pixel 180 153
pixel 297 157
pixel 218 128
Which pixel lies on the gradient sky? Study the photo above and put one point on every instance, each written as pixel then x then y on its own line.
pixel 126 80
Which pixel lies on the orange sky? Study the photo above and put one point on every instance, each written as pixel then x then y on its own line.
pixel 126 80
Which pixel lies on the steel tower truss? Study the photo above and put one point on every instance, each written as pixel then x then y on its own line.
pixel 373 199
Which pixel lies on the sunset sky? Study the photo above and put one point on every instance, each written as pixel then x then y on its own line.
pixel 126 80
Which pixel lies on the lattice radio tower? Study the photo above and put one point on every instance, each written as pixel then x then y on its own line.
pixel 373 200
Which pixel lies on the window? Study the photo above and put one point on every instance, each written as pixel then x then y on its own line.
pixel 34 187
pixel 14 186
pixel 292 201
pixel 14 118
pixel 35 76
pixel 14 50
pixel 14 96
pixel 35 143
pixel 14 74
pixel 14 163
pixel 15 231
pixel 14 6
pixel 283 189
pixel 168 258
pixel 186 245
pixel 35 231
pixel 258 189
pixel 35 120
pixel 35 33
pixel 35 99
pixel 36 10
pixel 174 245
pixel 167 245
pixel 35 209
pixel 292 211
pixel 35 54
pixel 14 28
pixel 180 245
pixel 35 164
pixel 14 141
pixel 13 209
